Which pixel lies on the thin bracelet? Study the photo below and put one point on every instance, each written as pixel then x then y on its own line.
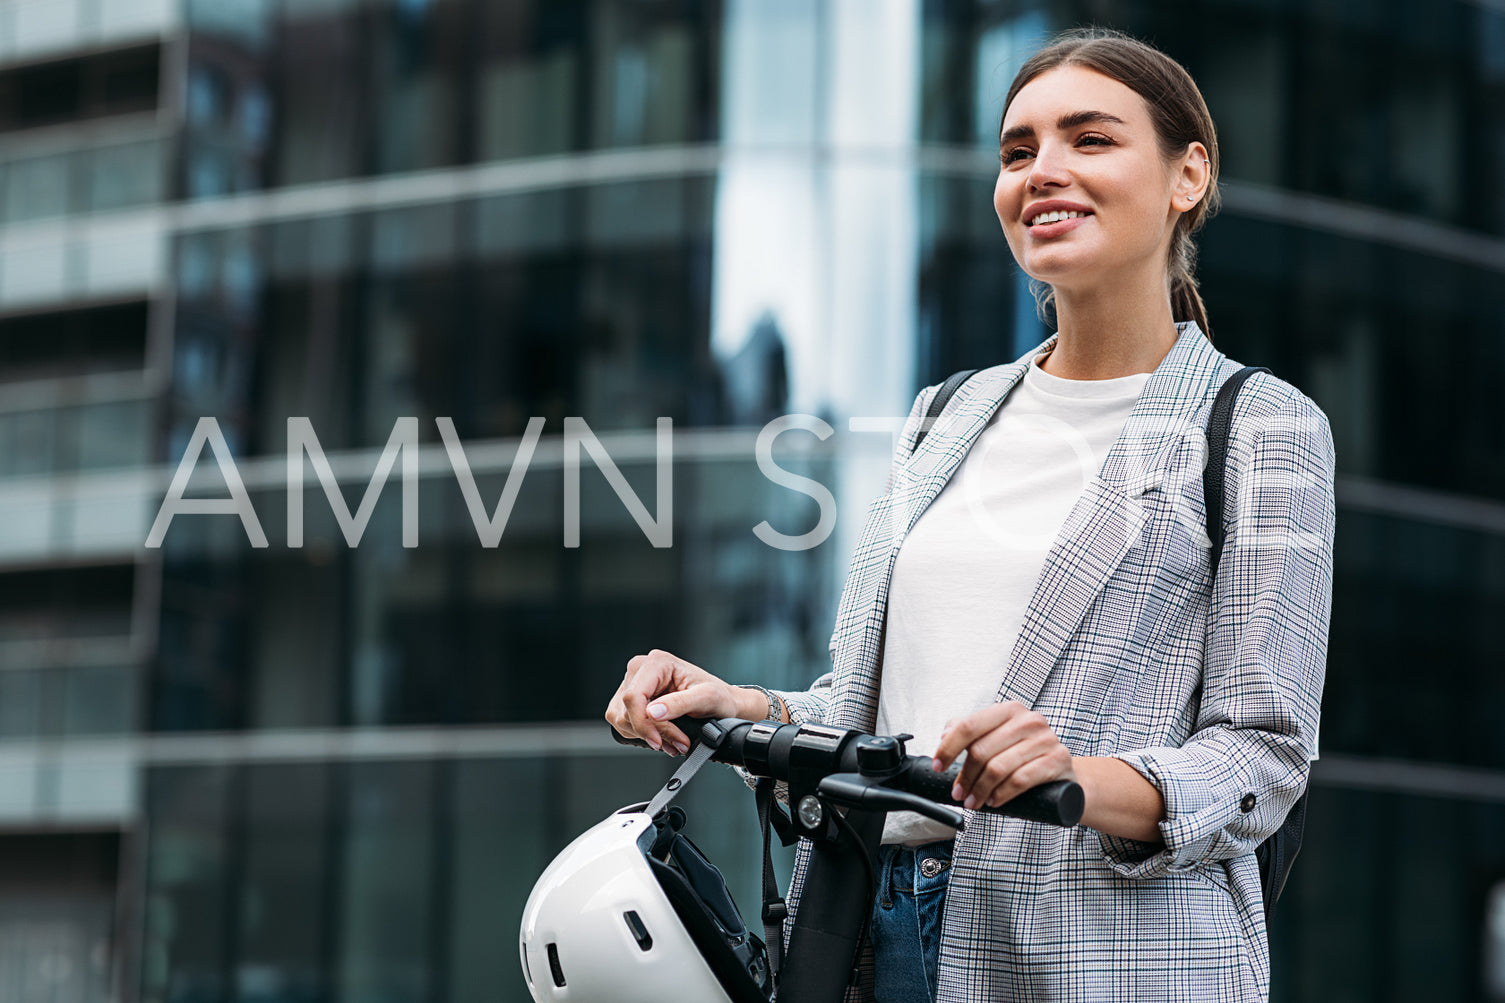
pixel 775 705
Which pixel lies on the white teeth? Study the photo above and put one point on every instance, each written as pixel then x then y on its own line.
pixel 1055 217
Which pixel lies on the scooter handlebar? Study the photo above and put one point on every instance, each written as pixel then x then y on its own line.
pixel 1059 802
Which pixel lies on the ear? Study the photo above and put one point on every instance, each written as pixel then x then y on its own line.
pixel 1193 178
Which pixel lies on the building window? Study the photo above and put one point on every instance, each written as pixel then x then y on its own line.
pixel 1494 944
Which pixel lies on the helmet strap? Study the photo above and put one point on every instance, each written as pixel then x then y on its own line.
pixel 705 748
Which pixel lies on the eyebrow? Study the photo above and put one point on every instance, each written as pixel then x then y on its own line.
pixel 1068 121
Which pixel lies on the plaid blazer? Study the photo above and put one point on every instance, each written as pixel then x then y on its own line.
pixel 1210 689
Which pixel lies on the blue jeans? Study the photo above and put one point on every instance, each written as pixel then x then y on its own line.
pixel 905 928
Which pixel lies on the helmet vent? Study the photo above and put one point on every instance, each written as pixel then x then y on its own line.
pixel 639 931
pixel 554 967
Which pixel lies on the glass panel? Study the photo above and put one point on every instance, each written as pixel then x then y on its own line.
pixel 57 916
pixel 20 703
pixel 114 435
pixel 387 884
pixel 27 443
pixel 101 701
pixel 319 93
pixel 1362 327
pixel 38 187
pixel 758 106
pixel 644 75
pixel 1245 80
pixel 1342 932
pixel 190 872
pixel 296 636
pixel 1413 609
pixel 500 845
pixel 528 100
pixel 198 680
pixel 1494 943
pixel 128 175
pixel 284 895
pixel 417 56
pixel 974 307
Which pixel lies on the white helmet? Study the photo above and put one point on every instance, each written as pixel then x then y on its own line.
pixel 632 911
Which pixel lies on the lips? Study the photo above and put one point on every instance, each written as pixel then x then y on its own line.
pixel 1045 231
pixel 1052 205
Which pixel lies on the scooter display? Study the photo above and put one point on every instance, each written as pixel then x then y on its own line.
pixel 839 784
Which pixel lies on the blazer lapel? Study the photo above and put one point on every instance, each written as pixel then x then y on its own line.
pixel 1105 523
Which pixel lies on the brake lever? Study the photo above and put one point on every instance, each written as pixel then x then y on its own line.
pixel 853 790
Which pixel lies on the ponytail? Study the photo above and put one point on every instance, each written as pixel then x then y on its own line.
pixel 1186 298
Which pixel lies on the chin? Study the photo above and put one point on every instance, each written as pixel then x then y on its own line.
pixel 1060 272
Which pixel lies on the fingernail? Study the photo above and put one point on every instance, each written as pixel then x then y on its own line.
pixel 970 803
pixel 657 711
pixel 680 750
pixel 935 764
pixel 654 741
pixel 957 792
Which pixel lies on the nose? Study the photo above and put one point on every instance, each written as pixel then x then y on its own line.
pixel 1048 169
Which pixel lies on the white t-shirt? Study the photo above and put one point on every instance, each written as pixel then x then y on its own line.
pixel 965 572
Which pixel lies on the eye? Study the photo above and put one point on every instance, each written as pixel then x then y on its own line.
pixel 1088 139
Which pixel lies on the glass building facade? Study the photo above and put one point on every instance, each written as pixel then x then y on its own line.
pixel 330 773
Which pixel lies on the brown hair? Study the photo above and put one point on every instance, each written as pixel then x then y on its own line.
pixel 1180 116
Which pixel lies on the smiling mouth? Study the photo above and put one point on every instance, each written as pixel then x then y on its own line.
pixel 1056 217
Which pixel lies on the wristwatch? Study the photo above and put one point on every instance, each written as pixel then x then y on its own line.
pixel 775 705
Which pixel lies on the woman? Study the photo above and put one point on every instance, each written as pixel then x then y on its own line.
pixel 1033 591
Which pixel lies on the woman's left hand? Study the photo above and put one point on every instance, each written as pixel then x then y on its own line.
pixel 1009 748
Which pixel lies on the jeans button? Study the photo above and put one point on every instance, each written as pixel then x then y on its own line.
pixel 931 866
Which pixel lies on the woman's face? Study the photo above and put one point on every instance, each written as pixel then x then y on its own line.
pixel 1075 136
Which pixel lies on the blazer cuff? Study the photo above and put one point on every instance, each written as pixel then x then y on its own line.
pixel 1197 808
pixel 804 707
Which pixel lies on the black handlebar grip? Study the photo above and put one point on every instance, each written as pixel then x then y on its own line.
pixel 689 725
pixel 920 779
pixel 1058 802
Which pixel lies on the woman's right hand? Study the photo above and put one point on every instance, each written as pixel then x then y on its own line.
pixel 658 687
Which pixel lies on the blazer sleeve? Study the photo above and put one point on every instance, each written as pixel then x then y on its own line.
pixel 1230 786
pixel 812 705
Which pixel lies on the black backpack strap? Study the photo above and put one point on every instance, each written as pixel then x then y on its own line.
pixel 939 401
pixel 775 910
pixel 1218 427
pixel 1276 854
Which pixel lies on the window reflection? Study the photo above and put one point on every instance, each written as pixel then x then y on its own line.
pixel 386 898
pixel 1410 603
pixel 967 294
pixel 282 919
pixel 1360 327
pixel 419 58
pixel 529 78
pixel 189 878
pixel 1494 943
pixel 37 187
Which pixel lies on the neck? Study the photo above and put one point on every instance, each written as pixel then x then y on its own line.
pixel 1111 331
